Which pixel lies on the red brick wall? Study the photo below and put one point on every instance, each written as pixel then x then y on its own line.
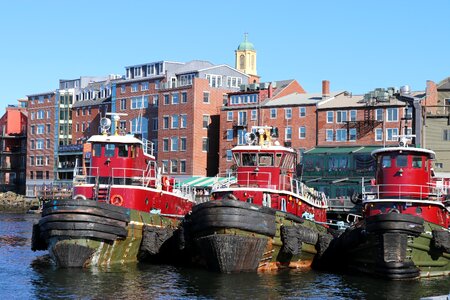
pixel 34 107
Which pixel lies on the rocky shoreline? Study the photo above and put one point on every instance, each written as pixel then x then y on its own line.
pixel 12 202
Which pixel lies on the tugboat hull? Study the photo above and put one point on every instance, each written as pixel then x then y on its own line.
pixel 231 236
pixel 392 246
pixel 83 233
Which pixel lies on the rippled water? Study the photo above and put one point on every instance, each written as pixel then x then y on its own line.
pixel 30 275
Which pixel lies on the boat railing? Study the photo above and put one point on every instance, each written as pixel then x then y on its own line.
pixel 85 175
pixel 132 176
pixel 403 191
pixel 148 147
pixel 306 192
pixel 247 179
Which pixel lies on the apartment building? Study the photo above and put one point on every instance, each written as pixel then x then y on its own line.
pixel 41 137
pixel 13 126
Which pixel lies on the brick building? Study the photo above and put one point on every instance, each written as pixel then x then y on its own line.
pixel 40 141
pixel 274 104
pixel 362 120
pixel 13 126
pixel 176 106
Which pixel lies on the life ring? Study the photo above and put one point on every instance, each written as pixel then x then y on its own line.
pixel 79 197
pixel 117 200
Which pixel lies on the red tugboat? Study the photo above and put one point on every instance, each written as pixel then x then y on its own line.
pixel 122 209
pixel 262 218
pixel 406 215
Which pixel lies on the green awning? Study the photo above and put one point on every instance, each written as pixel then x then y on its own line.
pixel 203 182
pixel 342 150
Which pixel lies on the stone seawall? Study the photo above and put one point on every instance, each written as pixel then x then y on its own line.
pixel 12 202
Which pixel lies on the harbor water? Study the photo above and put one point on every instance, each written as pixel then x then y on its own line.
pixel 25 274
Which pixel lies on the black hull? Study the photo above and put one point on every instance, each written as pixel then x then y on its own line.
pixel 232 236
pixel 391 246
pixel 83 233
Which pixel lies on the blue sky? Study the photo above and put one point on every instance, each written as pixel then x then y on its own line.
pixel 357 45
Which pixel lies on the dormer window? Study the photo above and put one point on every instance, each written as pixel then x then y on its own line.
pixel 137 72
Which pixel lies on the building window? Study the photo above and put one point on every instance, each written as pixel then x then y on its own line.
pixel 175 98
pixel 341 116
pixel 214 80
pixel 40 114
pixel 155 100
pixel 329 135
pixel 123 104
pixel 183 121
pixel 352 134
pixel 182 166
pixel 184 97
pixel 288 133
pixel 229 155
pixel 254 114
pixel 408 112
pixel 330 117
pixel 392 114
pixel 446 135
pixel 47 141
pixel 379 114
pixel 134 87
pixel 205 121
pixel 165 122
pixel 31 160
pixel 47 160
pixel 40 129
pixel 273 113
pixel 144 86
pixel 229 134
pixel 302 132
pixel 173 166
pixel 166 99
pixel 165 144
pixel 139 102
pixel 378 134
pixel 341 135
pixel 39 160
pixel 205 144
pixel 302 112
pixel 234 81
pixel 205 97
pixel 40 144
pixel 155 124
pixel 242 118
pixel 439 165
pixel 32 129
pixel 174 144
pixel 288 113
pixel 48 128
pixel 241 136
pixel 353 115
pixel 391 134
pixel 165 166
pixel 174 121
pixel 139 125
pixel 229 116
pixel 183 144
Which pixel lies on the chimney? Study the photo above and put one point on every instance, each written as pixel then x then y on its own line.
pixel 270 92
pixel 325 89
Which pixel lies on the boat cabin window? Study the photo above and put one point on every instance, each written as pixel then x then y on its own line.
pixel 265 159
pixel 249 159
pixel 417 162
pixel 386 161
pixel 133 151
pixel 109 150
pixel 237 158
pixel 401 161
pixel 97 150
pixel 278 157
pixel 288 162
pixel 122 150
